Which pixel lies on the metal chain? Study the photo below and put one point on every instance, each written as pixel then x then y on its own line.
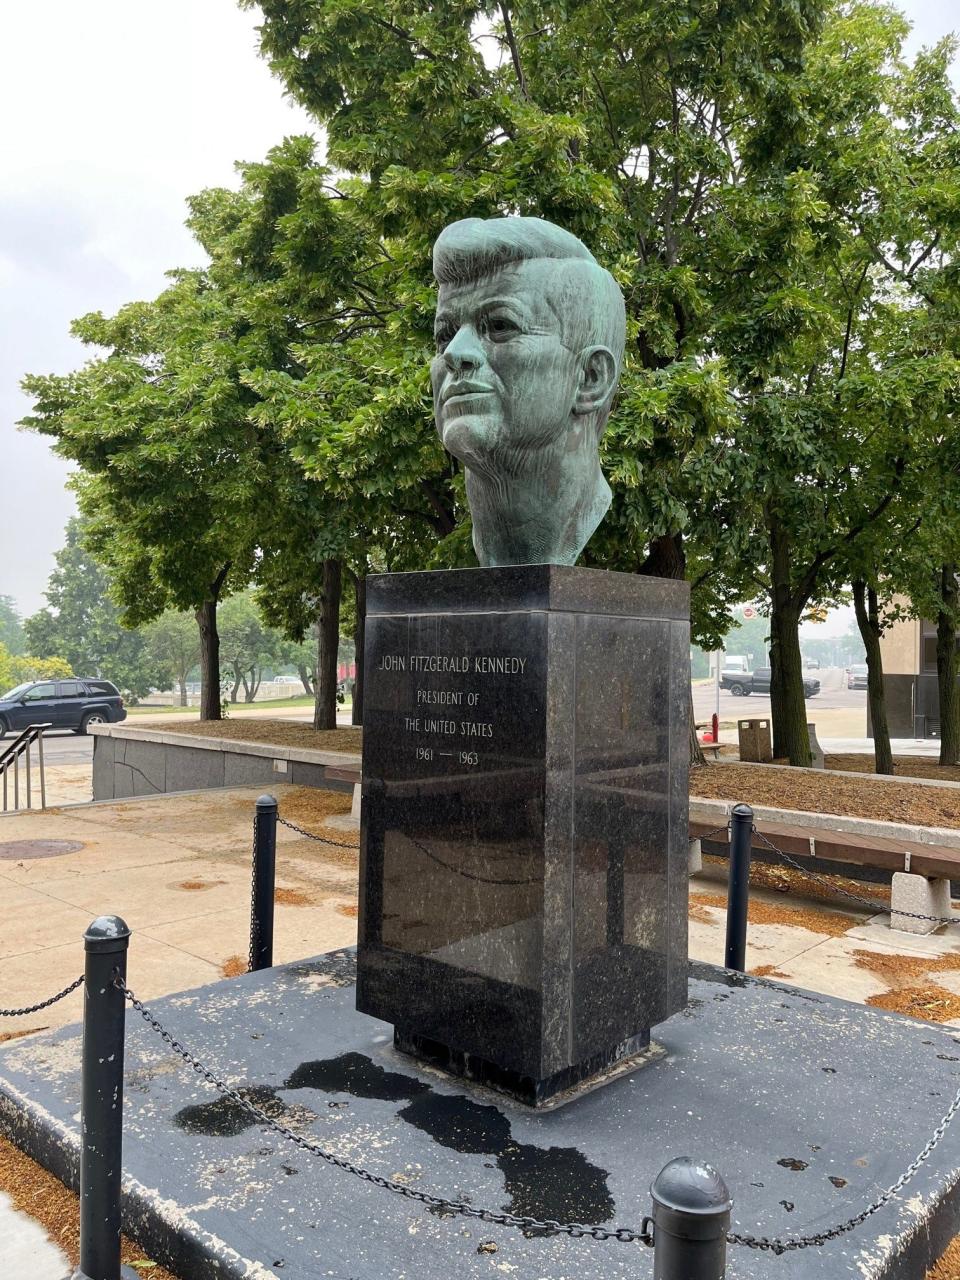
pixel 626 1235
pixel 309 835
pixel 254 921
pixel 786 1243
pixel 44 1004
pixel 872 903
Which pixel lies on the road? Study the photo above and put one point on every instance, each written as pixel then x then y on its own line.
pixel 833 695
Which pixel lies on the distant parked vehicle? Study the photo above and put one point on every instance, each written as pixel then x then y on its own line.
pixel 812 664
pixel 735 662
pixel 286 680
pixel 63 704
pixel 857 676
pixel 741 685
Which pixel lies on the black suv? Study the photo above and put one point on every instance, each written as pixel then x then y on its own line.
pixel 62 704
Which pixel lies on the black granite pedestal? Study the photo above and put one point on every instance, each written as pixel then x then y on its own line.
pixel 524 821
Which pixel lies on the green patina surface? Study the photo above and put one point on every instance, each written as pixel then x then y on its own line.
pixel 530 337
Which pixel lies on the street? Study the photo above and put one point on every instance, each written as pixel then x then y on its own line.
pixel 833 696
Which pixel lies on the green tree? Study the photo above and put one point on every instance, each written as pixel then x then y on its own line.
pixel 173 643
pixel 246 645
pixel 18 668
pixel 82 623
pixel 174 470
pixel 11 626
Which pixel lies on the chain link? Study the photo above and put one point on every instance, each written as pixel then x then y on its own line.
pixel 626 1235
pixel 44 1004
pixel 827 881
pixel 785 1243
pixel 309 835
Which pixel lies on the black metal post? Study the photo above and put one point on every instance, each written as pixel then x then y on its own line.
pixel 105 943
pixel 691 1217
pixel 738 890
pixel 264 877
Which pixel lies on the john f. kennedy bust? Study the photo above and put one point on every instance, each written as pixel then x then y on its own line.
pixel 530 334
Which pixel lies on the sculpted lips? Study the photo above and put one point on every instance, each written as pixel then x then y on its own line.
pixel 464 391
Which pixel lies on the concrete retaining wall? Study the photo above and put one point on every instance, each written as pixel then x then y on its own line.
pixel 139 762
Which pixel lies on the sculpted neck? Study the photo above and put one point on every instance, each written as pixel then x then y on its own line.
pixel 544 515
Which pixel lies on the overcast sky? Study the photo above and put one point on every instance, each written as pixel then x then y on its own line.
pixel 114 112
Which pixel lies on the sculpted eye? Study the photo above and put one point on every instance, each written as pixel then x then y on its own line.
pixel 501 328
pixel 443 337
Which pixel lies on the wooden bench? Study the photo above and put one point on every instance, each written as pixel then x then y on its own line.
pixel 879 852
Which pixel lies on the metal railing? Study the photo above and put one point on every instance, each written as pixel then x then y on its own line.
pixel 10 758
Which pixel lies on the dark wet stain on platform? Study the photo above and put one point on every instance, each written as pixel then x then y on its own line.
pixel 556 1183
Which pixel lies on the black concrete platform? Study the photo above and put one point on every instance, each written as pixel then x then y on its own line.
pixel 808 1106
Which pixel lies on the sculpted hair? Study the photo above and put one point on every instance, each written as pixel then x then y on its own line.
pixel 587 296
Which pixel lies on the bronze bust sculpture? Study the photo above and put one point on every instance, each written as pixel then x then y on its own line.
pixel 530 334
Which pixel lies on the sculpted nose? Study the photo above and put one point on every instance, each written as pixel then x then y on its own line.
pixel 464 351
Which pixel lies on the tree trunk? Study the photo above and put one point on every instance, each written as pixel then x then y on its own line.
pixel 255 678
pixel 667 559
pixel 206 617
pixel 306 679
pixel 237 681
pixel 949 693
pixel 868 620
pixel 360 598
pixel 325 707
pixel 788 708
pixel 183 691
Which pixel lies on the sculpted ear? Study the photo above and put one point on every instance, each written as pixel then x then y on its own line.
pixel 598 379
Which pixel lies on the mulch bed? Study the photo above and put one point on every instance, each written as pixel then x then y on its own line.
pixel 903 766
pixel 45 1199
pixel 825 792
pixel 279 733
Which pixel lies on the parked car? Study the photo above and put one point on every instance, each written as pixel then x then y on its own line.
pixel 857 676
pixel 63 704
pixel 741 685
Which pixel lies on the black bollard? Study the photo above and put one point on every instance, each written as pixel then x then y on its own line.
pixel 264 878
pixel 738 889
pixel 104 1009
pixel 691 1217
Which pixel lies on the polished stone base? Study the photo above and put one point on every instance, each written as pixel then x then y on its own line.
pixel 799 1100
pixel 523 829
pixel 568 1083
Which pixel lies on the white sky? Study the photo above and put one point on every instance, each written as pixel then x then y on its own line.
pixel 116 111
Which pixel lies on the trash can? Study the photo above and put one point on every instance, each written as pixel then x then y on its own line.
pixel 756 745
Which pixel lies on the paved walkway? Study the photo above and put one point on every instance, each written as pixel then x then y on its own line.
pixel 177 869
pixel 25 1251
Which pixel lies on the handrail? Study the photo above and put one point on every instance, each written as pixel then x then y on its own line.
pixel 10 758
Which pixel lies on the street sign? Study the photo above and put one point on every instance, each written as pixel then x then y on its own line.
pixel 749 612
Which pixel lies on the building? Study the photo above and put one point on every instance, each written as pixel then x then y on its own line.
pixel 909 653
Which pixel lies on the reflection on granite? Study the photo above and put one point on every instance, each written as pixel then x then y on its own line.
pixel 523 853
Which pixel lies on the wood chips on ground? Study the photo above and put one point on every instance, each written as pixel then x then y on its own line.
pixel 825 792
pixel 904 766
pixel 310 807
pixel 948 1268
pixel 278 733
pixel 44 1198
pixel 799 916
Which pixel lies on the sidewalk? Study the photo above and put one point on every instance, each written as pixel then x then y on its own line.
pixel 26 1253
pixel 177 869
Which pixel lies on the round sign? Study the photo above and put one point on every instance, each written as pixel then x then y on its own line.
pixel 749 612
